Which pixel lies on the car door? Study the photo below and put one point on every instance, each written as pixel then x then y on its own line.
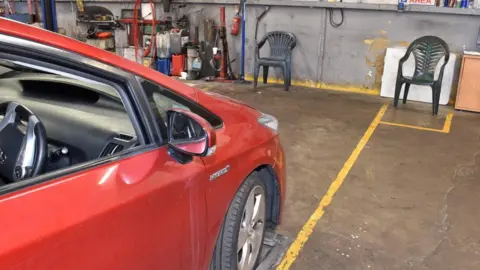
pixel 135 209
pixel 143 212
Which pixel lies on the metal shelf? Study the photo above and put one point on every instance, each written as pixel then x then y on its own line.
pixel 316 4
pixel 326 4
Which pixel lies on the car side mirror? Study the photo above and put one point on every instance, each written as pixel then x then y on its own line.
pixel 190 134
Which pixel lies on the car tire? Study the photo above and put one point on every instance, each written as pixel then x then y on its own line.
pixel 239 244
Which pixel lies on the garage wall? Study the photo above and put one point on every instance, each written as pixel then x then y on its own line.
pixel 351 54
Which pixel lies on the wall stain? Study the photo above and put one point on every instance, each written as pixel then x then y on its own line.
pixel 376 54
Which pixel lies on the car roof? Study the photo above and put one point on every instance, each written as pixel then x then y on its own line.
pixel 49 38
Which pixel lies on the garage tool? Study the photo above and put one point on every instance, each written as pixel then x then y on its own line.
pixel 226 73
pixel 136 26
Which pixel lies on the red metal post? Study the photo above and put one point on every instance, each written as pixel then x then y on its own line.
pixel 30 11
pixel 12 6
pixel 222 17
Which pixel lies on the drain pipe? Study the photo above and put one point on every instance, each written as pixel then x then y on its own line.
pixel 259 18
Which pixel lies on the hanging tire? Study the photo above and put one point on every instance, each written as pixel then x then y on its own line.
pixel 239 243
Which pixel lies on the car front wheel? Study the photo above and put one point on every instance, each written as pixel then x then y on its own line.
pixel 240 241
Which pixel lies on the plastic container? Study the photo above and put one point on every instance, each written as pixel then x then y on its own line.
pixel 178 64
pixel 147 62
pixel 163 45
pixel 163 65
pixel 175 43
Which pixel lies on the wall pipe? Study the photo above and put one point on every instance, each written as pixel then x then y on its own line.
pixel 241 76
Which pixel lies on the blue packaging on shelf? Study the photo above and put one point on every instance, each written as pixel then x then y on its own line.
pixel 20 17
pixel 163 65
pixel 401 5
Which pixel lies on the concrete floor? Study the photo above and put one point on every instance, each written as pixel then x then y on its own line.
pixel 410 200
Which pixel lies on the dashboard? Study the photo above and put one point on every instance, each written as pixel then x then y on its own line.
pixel 83 120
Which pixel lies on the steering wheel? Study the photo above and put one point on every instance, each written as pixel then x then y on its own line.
pixel 22 154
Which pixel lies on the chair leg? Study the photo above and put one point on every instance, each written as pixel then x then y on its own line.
pixel 286 78
pixel 289 75
pixel 398 88
pixel 265 74
pixel 438 89
pixel 405 93
pixel 434 99
pixel 255 76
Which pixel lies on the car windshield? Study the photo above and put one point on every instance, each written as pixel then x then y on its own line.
pixel 27 72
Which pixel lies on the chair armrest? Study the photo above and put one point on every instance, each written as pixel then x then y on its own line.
pixel 445 62
pixel 407 55
pixel 400 68
pixel 440 74
pixel 257 52
pixel 402 60
pixel 293 45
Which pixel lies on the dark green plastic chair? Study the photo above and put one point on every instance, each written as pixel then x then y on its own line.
pixel 281 46
pixel 428 51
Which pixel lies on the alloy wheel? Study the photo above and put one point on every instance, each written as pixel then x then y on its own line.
pixel 250 235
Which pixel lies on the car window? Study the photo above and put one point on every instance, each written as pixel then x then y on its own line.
pixel 83 119
pixel 163 104
pixel 162 99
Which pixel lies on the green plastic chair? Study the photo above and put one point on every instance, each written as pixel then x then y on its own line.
pixel 428 51
pixel 281 46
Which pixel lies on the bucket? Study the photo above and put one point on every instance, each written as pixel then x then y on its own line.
pixel 163 65
pixel 175 43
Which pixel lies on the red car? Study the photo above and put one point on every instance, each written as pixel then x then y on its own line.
pixel 106 164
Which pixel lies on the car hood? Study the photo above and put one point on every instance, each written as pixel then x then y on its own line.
pixel 227 108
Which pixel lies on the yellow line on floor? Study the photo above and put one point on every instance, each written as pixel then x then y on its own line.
pixel 445 129
pixel 308 227
pixel 410 126
pixel 448 123
pixel 322 85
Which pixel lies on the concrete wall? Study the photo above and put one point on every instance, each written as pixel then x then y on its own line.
pixel 351 54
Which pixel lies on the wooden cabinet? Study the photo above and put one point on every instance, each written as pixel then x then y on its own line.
pixel 468 93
